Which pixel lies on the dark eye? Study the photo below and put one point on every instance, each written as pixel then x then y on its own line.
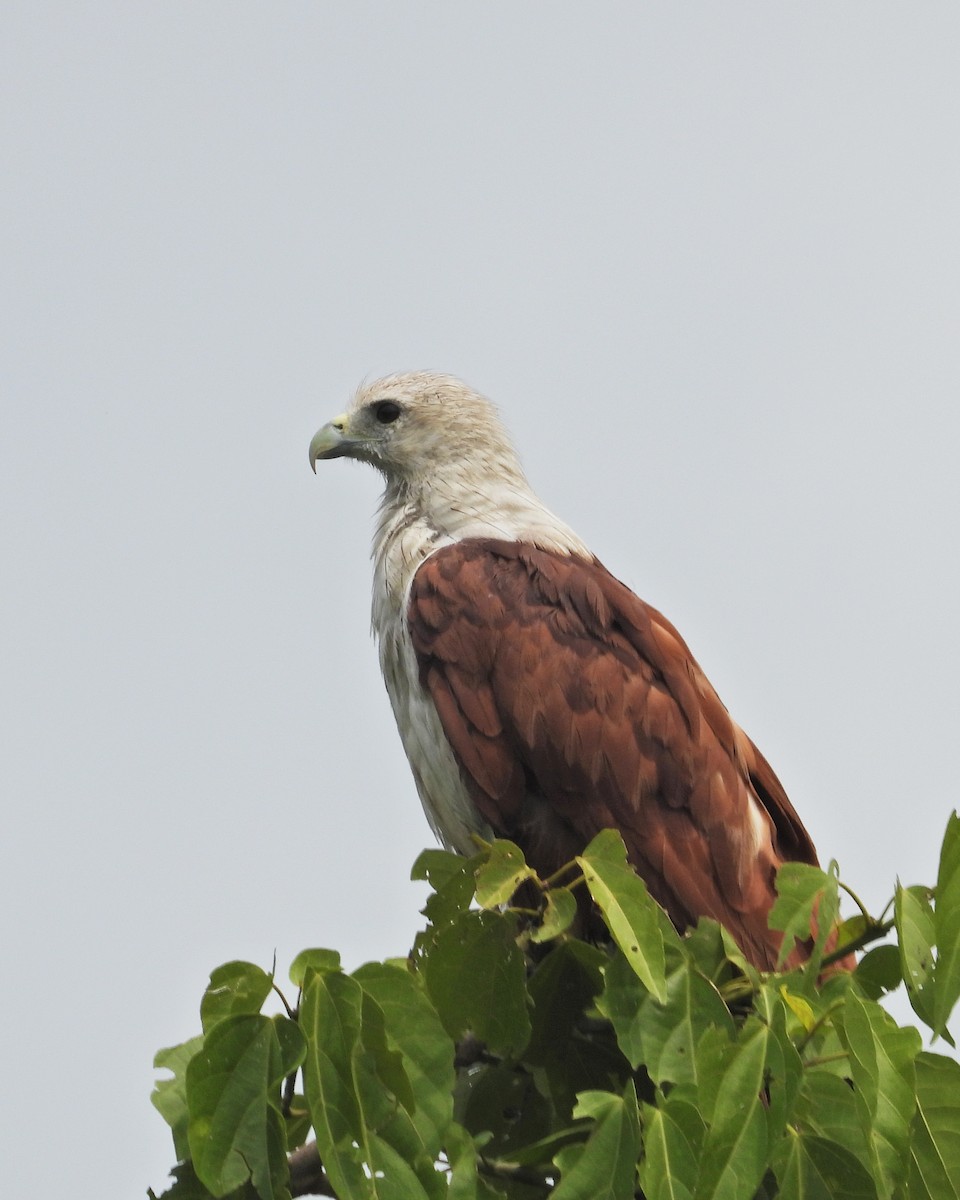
pixel 386 411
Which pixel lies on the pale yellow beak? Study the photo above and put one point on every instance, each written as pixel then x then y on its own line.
pixel 330 441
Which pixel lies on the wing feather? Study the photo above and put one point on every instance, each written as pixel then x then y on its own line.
pixel 571 706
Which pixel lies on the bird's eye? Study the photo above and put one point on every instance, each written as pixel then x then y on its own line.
pixel 386 411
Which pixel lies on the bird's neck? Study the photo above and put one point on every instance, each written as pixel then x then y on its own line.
pixel 419 517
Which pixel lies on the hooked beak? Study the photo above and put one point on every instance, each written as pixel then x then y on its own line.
pixel 329 442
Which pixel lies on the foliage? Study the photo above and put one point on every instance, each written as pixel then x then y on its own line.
pixel 506 1056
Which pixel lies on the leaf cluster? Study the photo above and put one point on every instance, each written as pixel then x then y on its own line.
pixel 507 1056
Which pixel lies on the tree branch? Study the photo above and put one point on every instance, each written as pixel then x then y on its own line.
pixel 307 1176
pixel 873 933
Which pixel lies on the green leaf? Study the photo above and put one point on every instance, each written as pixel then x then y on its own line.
pixel 882 1067
pixel 188 1187
pixel 913 917
pixel 465 1182
pixel 313 960
pixel 879 971
pixel 349 1104
pixel 558 915
pixel 672 1135
pixel 234 989
pixel 572 1059
pixel 827 1108
pixel 784 1069
pixel 807 899
pixel 437 867
pixel 605 1166
pixel 452 879
pixel 934 1172
pixel 809 1167
pixel 851 930
pixel 715 953
pixel 475 975
pixel 501 871
pixel 563 985
pixel 503 1101
pixel 630 912
pixel 947 925
pixel 542 1152
pixel 663 1036
pixel 736 1149
pixel 330 1017
pixel 170 1095
pixel 414 1030
pixel 236 1131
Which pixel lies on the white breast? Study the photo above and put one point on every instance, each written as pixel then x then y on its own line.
pixel 446 802
pixel 411 528
pixel 402 546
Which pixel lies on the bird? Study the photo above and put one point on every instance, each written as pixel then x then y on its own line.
pixel 537 697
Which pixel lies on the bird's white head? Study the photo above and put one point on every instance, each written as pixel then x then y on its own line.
pixel 450 467
pixel 420 427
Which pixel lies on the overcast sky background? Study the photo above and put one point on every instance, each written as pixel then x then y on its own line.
pixel 706 258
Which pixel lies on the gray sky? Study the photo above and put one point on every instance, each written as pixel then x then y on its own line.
pixel 706 259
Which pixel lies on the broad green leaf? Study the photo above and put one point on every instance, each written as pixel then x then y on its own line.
pixel 236 1131
pixel 784 1069
pixel 827 1108
pixel 437 867
pixel 452 878
pixel 913 916
pixel 573 1059
pixel 605 1166
pixel 415 1031
pixel 851 930
pixel 504 1102
pixel 465 1181
pixel 807 899
pixel 170 1095
pixel 879 971
pixel 188 1187
pixel 629 910
pixel 672 1134
pixel 353 1112
pixel 543 1152
pixel 386 1062
pixel 558 915
pixel 882 1067
pixel 947 924
pixel 313 960
pixel 934 1172
pixel 663 1036
pixel 234 989
pixel 716 953
pixel 714 1053
pixel 737 1146
pixel 809 1167
pixel 475 976
pixel 501 871
pixel 330 1015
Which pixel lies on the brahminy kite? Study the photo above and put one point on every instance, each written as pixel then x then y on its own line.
pixel 537 698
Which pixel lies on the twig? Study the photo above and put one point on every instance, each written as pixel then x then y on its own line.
pixel 857 901
pixel 511 1173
